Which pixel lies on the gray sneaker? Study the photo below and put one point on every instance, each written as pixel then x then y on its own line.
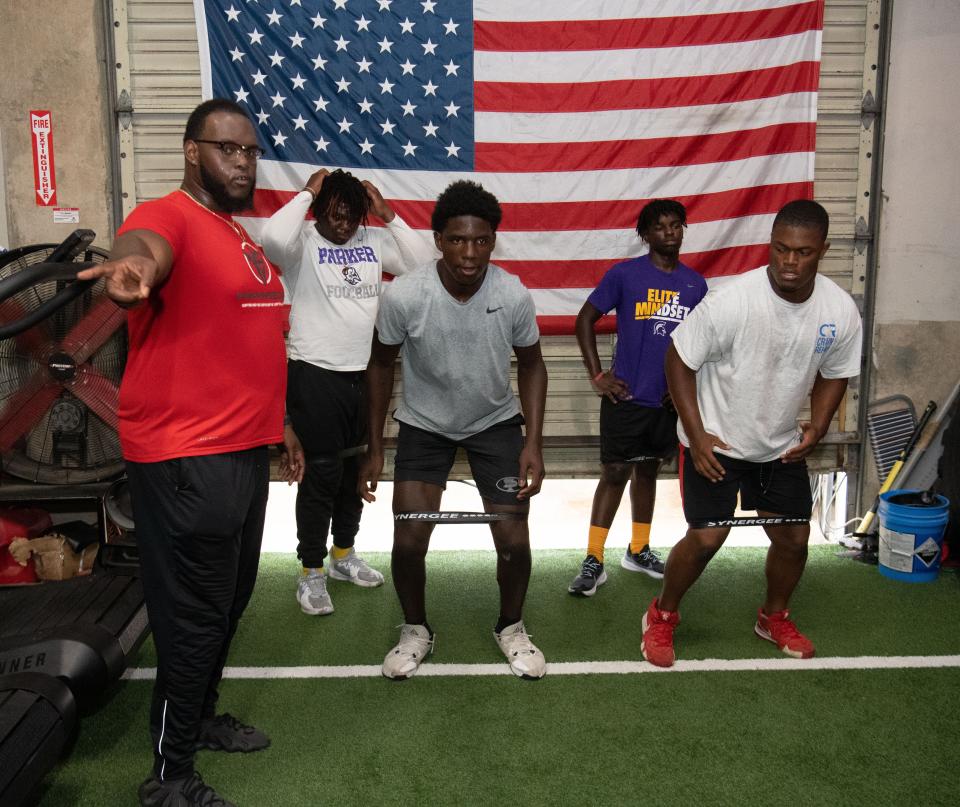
pixel 312 594
pixel 354 569
pixel 646 561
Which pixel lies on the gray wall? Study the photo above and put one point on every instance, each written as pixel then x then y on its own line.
pixel 53 57
pixel 916 348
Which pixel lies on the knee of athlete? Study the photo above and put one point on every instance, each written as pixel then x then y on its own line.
pixel 616 473
pixel 411 541
pixel 706 543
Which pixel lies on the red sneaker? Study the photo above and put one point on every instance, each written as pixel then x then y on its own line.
pixel 778 628
pixel 657 643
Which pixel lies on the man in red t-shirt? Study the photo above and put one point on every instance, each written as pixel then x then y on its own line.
pixel 202 397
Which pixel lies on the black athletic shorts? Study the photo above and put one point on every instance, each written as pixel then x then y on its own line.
pixel 493 454
pixel 776 487
pixel 629 431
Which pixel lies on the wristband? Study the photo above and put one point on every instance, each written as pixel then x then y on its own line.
pixel 598 376
pixel 312 194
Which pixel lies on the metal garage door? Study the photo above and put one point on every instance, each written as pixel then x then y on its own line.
pixel 158 84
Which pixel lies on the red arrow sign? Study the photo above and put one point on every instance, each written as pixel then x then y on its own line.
pixel 44 178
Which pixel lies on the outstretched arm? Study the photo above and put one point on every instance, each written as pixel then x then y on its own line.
pixel 140 261
pixel 379 389
pixel 824 400
pixel 532 385
pixel 605 383
pixel 682 381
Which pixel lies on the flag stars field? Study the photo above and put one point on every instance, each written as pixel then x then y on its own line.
pixel 572 114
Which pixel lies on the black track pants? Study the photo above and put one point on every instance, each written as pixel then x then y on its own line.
pixel 199 527
pixel 327 411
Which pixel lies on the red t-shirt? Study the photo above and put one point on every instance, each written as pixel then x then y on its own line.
pixel 206 367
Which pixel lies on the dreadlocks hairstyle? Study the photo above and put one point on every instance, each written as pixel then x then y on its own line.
pixel 342 186
pixel 198 117
pixel 652 211
pixel 465 198
pixel 804 213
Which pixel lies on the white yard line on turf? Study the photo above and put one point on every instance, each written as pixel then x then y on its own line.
pixel 592 667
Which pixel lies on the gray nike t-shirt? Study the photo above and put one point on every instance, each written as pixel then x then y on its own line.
pixel 456 356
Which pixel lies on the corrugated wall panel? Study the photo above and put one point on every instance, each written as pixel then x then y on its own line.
pixel 164 82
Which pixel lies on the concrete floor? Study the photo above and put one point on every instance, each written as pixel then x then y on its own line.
pixel 559 518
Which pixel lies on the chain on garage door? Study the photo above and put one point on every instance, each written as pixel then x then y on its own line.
pixel 158 82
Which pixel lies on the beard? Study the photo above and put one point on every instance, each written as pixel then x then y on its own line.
pixel 221 197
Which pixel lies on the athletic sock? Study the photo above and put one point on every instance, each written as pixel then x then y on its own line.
pixel 306 570
pixel 596 539
pixel 640 539
pixel 504 622
pixel 340 552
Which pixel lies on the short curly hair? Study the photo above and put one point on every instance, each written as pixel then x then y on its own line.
pixel 342 186
pixel 652 211
pixel 198 117
pixel 465 198
pixel 804 213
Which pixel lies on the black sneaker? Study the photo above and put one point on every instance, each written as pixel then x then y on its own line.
pixel 190 792
pixel 646 561
pixel 226 733
pixel 591 576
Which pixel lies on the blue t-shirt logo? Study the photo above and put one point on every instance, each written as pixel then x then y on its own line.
pixel 828 335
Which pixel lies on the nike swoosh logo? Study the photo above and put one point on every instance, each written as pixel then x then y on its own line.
pixel 491 310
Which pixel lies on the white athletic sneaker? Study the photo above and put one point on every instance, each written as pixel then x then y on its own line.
pixel 404 660
pixel 353 569
pixel 312 594
pixel 525 659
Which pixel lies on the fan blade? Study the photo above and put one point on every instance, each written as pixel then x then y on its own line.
pixel 34 342
pixel 91 332
pixel 25 407
pixel 98 392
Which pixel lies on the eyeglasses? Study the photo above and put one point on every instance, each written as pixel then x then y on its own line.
pixel 229 149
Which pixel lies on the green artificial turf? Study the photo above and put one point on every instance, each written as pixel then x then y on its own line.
pixel 847 608
pixel 879 737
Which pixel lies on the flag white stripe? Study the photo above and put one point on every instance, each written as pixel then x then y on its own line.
pixel 513 11
pixel 609 245
pixel 572 186
pixel 639 124
pixel 548 67
pixel 614 244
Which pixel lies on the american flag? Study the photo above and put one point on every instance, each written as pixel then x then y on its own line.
pixel 574 113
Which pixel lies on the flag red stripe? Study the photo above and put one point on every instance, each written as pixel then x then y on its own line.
pixel 587 274
pixel 654 152
pixel 657 93
pixel 662 32
pixel 608 215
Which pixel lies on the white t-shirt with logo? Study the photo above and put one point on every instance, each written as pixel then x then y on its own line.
pixel 757 356
pixel 334 289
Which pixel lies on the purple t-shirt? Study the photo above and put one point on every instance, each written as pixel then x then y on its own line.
pixel 650 303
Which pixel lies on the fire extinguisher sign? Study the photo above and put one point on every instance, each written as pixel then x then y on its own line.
pixel 44 178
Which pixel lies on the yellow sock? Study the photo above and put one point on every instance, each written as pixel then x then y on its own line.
pixel 596 540
pixel 306 570
pixel 640 539
pixel 339 552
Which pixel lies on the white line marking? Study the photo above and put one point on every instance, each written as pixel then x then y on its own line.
pixel 429 670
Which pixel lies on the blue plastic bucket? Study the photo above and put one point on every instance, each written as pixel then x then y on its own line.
pixel 911 535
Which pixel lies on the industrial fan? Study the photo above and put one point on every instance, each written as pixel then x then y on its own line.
pixel 59 379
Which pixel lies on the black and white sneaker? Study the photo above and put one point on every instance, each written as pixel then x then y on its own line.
pixel 646 561
pixel 226 733
pixel 590 578
pixel 190 792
